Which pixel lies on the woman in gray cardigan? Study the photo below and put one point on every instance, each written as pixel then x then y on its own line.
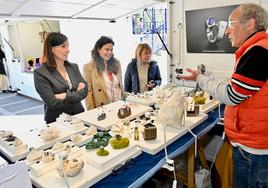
pixel 59 82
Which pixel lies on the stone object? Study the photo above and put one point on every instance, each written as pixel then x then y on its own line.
pixel 101 116
pixel 34 155
pixel 150 132
pixel 124 112
pixel 76 137
pixel 48 156
pixel 50 133
pixel 71 167
pixel 91 131
pixel 58 146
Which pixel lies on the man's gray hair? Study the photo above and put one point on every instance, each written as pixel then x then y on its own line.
pixel 251 10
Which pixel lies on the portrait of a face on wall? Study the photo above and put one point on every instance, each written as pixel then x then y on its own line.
pixel 205 30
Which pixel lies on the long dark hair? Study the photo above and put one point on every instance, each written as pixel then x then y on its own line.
pixel 53 39
pixel 112 64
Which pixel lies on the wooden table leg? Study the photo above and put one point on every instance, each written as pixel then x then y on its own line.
pixel 189 179
pixel 191 159
pixel 202 155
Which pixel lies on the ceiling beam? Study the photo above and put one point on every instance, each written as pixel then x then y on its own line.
pixel 91 6
pixel 137 10
pixel 17 11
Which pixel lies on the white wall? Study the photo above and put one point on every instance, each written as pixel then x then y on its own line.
pixel 25 37
pixel 82 35
pixel 221 65
pixel 30 41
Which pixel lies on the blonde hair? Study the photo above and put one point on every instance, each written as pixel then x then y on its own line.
pixel 141 47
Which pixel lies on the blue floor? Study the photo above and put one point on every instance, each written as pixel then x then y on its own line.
pixel 15 104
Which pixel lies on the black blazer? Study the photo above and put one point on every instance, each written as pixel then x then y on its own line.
pixel 48 82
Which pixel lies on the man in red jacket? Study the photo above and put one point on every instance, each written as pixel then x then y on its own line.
pixel 245 95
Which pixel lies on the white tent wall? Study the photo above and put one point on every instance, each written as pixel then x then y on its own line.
pixel 218 64
pixel 82 35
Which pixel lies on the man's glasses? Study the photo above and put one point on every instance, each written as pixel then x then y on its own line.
pixel 231 23
pixel 121 167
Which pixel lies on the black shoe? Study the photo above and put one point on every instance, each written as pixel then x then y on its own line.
pixel 4 91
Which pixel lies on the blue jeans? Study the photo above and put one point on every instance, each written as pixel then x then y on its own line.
pixel 250 171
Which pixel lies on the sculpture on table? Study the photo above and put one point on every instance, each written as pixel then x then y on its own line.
pixel 58 146
pixel 76 138
pixel 171 114
pixel 91 131
pixel 121 128
pixel 102 115
pixel 34 155
pixel 71 167
pixel 150 132
pixel 172 111
pixel 199 97
pixel 4 134
pixel 50 133
pixel 119 142
pixel 99 139
pixel 48 156
pixel 102 152
pixel 124 112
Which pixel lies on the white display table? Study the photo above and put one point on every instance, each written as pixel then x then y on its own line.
pixel 90 117
pixel 89 174
pixel 2 162
pixel 209 105
pixel 172 134
pixel 149 99
pixel 27 128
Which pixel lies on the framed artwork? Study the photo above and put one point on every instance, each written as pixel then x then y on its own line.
pixel 205 30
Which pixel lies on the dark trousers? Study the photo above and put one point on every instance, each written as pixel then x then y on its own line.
pixel 250 171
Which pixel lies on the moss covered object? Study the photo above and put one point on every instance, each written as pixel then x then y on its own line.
pixel 100 139
pixel 102 152
pixel 118 143
pixel 199 100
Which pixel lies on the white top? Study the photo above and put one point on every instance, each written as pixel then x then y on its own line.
pixel 143 74
pixel 113 86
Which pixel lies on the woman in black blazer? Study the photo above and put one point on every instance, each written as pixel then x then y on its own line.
pixel 59 82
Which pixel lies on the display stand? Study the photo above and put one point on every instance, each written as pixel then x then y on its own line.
pixel 208 106
pixel 172 134
pixel 27 128
pixel 89 175
pixel 90 117
pixel 2 162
